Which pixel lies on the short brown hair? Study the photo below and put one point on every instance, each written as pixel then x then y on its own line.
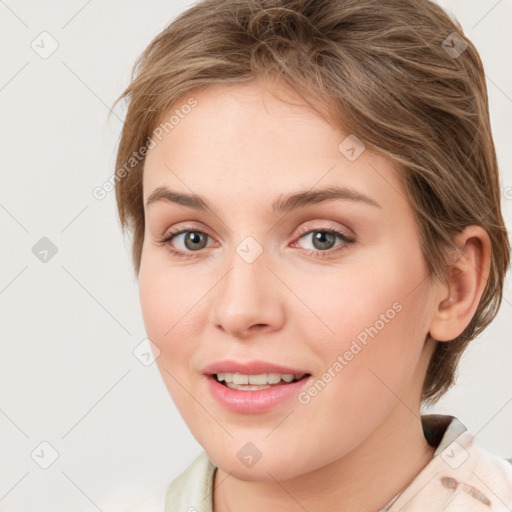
pixel 399 74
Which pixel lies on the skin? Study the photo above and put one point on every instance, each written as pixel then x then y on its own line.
pixel 360 440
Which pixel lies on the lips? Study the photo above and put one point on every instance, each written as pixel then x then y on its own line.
pixel 250 368
pixel 242 400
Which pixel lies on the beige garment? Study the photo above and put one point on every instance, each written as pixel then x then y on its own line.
pixel 462 476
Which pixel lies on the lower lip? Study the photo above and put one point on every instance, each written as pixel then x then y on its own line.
pixel 252 402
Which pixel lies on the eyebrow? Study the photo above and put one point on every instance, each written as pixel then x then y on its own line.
pixel 282 205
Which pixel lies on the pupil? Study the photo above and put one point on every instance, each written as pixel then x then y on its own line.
pixel 194 238
pixel 320 237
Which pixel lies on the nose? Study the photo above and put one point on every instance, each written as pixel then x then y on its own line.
pixel 248 299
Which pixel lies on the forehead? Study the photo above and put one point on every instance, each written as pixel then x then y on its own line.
pixel 240 137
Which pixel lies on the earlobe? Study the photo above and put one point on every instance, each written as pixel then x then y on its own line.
pixel 458 300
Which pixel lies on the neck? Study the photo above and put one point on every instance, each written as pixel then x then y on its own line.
pixel 364 480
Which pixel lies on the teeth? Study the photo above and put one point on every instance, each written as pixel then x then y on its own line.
pixel 273 378
pixel 240 379
pixel 248 387
pixel 261 379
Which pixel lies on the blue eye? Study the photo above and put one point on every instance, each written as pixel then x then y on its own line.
pixel 193 240
pixel 323 240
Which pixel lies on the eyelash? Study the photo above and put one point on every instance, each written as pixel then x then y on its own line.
pixel 167 239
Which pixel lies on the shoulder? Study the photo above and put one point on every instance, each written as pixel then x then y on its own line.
pixel 493 472
pixel 190 489
pixel 463 476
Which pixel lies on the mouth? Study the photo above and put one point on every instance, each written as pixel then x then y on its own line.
pixel 246 382
pixel 254 387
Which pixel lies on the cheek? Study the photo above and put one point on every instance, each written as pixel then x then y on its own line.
pixel 167 324
pixel 375 317
pixel 167 302
pixel 354 297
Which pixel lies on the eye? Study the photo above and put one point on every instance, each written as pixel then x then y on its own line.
pixel 324 240
pixel 194 240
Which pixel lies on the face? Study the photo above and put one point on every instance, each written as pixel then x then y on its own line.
pixel 333 286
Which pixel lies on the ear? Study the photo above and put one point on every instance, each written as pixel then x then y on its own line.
pixel 458 299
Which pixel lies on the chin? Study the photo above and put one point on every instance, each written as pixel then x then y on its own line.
pixel 261 472
pixel 271 467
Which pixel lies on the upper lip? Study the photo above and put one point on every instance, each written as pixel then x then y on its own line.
pixel 249 368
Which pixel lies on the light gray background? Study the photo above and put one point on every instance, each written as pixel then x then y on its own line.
pixel 68 327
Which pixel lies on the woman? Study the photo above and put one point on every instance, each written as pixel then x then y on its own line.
pixel 313 192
